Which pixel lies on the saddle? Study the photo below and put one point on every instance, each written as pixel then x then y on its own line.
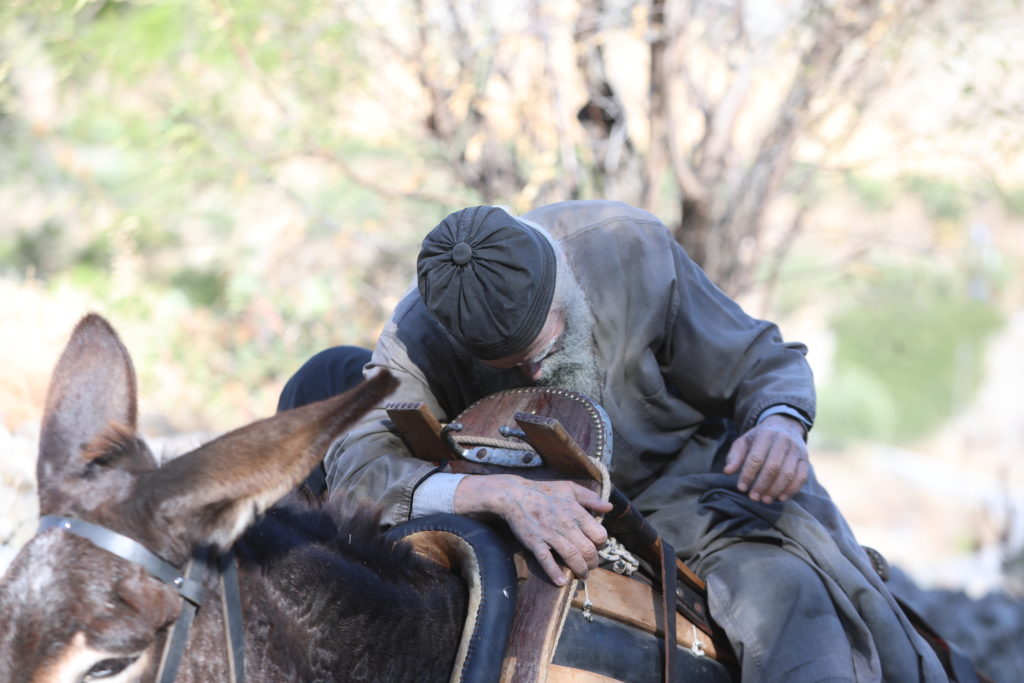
pixel 653 625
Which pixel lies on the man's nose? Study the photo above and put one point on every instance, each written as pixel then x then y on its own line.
pixel 532 371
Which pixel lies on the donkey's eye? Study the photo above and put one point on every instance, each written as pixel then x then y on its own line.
pixel 107 668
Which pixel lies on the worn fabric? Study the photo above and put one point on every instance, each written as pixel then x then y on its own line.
pixel 789 583
pixel 331 372
pixel 683 368
pixel 488 278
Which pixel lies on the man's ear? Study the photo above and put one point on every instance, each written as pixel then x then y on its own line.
pixel 92 388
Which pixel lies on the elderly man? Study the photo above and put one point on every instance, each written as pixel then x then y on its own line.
pixel 710 409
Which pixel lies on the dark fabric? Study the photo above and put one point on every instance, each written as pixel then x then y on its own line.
pixel 331 372
pixel 829 616
pixel 680 364
pixel 488 278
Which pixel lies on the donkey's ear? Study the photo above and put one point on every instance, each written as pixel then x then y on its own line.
pixel 214 493
pixel 92 388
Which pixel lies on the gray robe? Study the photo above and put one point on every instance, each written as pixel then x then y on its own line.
pixel 683 368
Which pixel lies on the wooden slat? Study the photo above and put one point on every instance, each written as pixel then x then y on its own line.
pixel 420 430
pixel 559 450
pixel 634 603
pixel 541 609
pixel 565 674
pixel 690 577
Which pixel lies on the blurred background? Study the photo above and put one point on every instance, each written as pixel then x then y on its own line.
pixel 238 184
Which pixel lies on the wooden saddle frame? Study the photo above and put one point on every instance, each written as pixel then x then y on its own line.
pixel 546 433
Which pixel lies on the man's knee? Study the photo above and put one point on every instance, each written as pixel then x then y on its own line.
pixel 766 572
pixel 778 614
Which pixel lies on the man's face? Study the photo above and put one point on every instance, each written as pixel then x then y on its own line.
pixel 530 362
pixel 564 354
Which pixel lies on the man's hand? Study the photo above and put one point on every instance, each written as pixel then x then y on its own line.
pixel 543 515
pixel 773 456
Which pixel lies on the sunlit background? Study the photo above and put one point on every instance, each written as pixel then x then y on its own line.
pixel 237 184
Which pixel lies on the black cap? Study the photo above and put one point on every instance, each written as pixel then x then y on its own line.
pixel 489 279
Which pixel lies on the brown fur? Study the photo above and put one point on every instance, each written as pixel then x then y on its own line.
pixel 325 597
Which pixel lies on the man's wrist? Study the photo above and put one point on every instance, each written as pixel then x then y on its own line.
pixel 787 411
pixel 435 494
pixel 787 422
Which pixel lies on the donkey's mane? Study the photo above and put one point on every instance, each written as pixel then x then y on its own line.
pixel 349 527
pixel 364 586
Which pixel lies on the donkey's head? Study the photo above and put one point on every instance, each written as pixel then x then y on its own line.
pixel 70 611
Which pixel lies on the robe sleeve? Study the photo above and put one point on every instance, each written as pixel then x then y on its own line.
pixel 717 357
pixel 371 461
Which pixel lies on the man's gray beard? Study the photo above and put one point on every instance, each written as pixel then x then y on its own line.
pixel 574 365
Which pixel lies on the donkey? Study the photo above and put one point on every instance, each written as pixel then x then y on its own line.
pixel 323 595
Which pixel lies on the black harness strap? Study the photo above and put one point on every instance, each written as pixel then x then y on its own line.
pixel 189 586
pixel 231 602
pixel 128 549
pixel 668 608
pixel 175 646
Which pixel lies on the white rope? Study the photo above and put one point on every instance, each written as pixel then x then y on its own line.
pixel 697 648
pixel 471 440
pixel 622 560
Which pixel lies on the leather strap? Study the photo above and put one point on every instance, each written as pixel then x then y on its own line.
pixel 127 549
pixel 175 646
pixel 231 603
pixel 189 585
pixel 668 607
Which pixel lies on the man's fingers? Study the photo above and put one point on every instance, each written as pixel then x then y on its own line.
pixel 785 479
pixel 590 500
pixel 770 471
pixel 774 461
pixel 756 455
pixel 547 562
pixel 554 522
pixel 576 551
pixel 778 451
pixel 737 453
pixel 594 531
pixel 797 482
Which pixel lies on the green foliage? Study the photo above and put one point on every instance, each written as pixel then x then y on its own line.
pixel 875 194
pixel 129 39
pixel 908 355
pixel 1013 201
pixel 943 199
pixel 854 406
pixel 194 169
pixel 805 182
pixel 203 286
pixel 33 252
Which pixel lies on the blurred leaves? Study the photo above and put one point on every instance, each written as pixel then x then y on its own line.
pixel 250 179
pixel 189 164
pixel 908 357
pixel 943 199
